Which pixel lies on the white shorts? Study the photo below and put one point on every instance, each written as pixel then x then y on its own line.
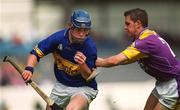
pixel 167 93
pixel 62 94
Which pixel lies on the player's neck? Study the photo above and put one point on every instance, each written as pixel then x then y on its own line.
pixel 139 31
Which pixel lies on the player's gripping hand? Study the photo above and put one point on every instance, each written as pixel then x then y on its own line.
pixel 27 74
pixel 80 58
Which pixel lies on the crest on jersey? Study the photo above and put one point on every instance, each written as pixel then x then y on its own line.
pixel 60 47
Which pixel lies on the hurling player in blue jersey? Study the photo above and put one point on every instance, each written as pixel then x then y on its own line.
pixel 74 54
pixel 155 57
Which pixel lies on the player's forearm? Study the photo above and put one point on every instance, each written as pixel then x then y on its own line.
pixel 32 60
pixel 84 70
pixel 107 62
pixel 115 60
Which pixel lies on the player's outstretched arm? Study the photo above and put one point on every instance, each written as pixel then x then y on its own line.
pixel 115 60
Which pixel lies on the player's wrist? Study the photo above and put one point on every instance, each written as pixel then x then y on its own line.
pixel 29 68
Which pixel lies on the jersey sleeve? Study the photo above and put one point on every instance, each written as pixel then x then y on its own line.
pixel 91 55
pixel 133 54
pixel 45 46
pixel 91 60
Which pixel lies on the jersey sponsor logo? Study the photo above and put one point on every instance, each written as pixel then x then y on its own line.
pixel 65 65
pixel 60 46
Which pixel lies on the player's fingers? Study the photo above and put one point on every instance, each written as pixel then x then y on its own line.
pixel 28 78
pixel 82 56
pixel 24 75
pixel 79 56
pixel 27 75
pixel 79 60
pixel 79 53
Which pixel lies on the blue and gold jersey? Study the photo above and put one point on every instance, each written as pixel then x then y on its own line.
pixel 66 70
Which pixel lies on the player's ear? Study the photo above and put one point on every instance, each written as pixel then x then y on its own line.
pixel 88 33
pixel 138 22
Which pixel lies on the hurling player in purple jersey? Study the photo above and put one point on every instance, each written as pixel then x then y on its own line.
pixel 74 55
pixel 154 56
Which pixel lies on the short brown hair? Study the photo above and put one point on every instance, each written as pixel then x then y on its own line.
pixel 138 14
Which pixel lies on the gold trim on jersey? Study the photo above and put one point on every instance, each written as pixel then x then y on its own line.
pixel 133 54
pixel 147 33
pixel 39 52
pixel 65 65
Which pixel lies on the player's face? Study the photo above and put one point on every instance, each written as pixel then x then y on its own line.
pixel 79 34
pixel 130 27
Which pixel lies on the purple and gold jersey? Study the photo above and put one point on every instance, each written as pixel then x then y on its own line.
pixel 154 55
pixel 66 70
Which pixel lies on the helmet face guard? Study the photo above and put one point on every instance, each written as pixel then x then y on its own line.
pixel 81 19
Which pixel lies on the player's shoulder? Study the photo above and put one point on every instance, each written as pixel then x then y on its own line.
pixel 58 35
pixel 147 33
pixel 89 45
pixel 89 42
pixel 148 41
pixel 147 37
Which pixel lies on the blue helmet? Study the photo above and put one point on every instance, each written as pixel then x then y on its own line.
pixel 81 19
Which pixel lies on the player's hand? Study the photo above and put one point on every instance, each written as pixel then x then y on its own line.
pixel 27 75
pixel 80 58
